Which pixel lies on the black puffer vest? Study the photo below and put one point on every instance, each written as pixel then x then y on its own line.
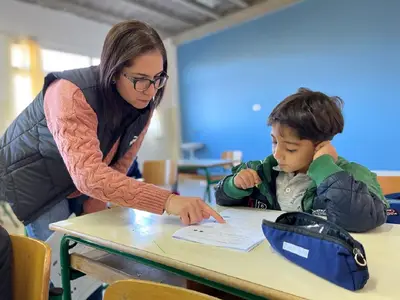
pixel 33 176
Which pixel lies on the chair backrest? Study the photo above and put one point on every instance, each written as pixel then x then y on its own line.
pixel 31 268
pixel 236 156
pixel 389 184
pixel 146 290
pixel 160 172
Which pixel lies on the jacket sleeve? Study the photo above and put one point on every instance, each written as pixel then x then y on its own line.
pixel 227 194
pixel 351 200
pixel 73 124
pixel 224 199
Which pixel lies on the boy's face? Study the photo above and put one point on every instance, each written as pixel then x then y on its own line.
pixel 292 153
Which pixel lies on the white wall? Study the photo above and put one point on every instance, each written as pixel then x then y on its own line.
pixel 166 146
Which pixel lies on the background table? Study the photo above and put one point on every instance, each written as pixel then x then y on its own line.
pixel 195 165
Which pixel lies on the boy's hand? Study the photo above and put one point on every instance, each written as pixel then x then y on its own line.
pixel 325 148
pixel 246 179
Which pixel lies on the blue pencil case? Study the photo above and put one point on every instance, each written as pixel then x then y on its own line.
pixel 319 246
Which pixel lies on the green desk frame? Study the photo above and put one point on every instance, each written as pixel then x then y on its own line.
pixel 68 274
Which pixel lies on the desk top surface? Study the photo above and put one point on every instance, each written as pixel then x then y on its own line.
pixel 260 271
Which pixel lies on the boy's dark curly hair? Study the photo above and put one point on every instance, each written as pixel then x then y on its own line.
pixel 313 115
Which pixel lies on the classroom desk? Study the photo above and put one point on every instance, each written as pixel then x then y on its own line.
pixel 257 274
pixel 193 165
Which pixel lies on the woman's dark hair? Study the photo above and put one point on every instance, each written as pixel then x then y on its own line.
pixel 126 41
pixel 313 115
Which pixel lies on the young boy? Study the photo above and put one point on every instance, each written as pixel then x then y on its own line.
pixel 305 172
pixel 5 265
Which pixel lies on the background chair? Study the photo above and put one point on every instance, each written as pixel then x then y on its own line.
pixel 389 184
pixel 163 173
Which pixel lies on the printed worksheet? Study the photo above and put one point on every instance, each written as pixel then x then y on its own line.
pixel 250 217
pixel 242 230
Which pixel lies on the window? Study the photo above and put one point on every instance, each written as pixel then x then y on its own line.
pixel 22 87
pixel 30 64
pixel 95 61
pixel 155 125
pixel 21 80
pixel 20 57
pixel 55 61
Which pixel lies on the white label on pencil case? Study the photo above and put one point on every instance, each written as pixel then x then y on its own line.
pixel 300 251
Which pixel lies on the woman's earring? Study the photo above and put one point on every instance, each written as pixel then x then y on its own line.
pixel 113 81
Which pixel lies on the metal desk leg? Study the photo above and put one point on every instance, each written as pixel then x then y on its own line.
pixel 65 268
pixel 208 188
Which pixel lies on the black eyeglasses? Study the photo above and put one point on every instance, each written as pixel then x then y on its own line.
pixel 142 84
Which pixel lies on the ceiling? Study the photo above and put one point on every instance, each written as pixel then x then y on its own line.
pixel 169 17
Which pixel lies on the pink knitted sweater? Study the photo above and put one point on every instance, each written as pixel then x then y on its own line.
pixel 73 124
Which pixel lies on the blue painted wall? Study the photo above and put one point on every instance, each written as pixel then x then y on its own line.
pixel 349 48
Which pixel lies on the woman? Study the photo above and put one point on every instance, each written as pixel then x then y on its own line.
pixel 70 150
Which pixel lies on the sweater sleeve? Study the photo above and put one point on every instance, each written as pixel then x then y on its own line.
pixel 73 124
pixel 123 164
pixel 92 205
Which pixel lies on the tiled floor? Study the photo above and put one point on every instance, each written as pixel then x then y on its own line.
pixel 6 222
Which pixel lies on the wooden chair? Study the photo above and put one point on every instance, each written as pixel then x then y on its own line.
pixel 146 290
pixel 236 156
pixel 163 173
pixel 31 269
pixel 389 184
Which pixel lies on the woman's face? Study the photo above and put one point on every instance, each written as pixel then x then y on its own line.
pixel 134 84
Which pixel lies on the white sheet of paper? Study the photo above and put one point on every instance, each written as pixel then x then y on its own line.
pixel 251 217
pixel 242 230
pixel 221 235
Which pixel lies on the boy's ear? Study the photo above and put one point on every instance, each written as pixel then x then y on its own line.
pixel 320 145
